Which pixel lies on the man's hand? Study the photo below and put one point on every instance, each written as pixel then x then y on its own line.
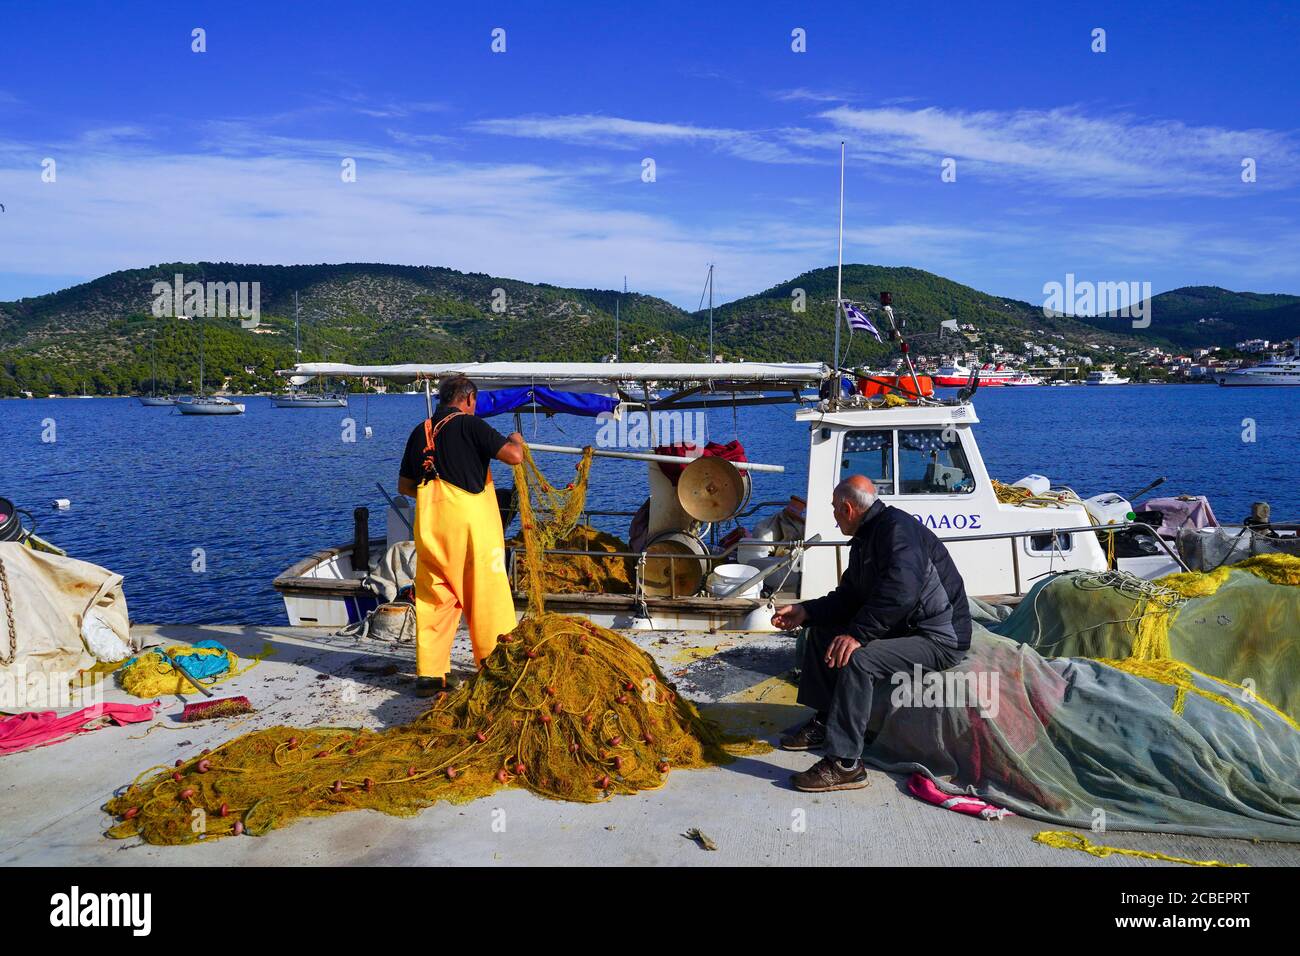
pixel 789 617
pixel 841 649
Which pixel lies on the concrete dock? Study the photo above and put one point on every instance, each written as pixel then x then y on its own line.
pixel 51 798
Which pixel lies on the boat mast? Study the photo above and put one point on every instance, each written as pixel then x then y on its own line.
pixel 711 354
pixel 617 300
pixel 199 319
pixel 153 361
pixel 839 278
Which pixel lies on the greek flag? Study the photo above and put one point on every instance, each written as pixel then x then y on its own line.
pixel 858 320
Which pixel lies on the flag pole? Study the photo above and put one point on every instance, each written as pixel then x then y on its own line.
pixel 839 277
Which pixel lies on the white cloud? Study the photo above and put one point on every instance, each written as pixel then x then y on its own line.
pixel 285 203
pixel 614 132
pixel 1079 154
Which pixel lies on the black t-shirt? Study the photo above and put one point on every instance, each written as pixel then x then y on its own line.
pixel 461 452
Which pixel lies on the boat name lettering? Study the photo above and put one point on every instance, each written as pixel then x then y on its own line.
pixel 966 522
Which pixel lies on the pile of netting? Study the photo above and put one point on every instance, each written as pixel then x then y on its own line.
pixel 562 707
pixel 598 570
pixel 1106 701
pixel 155 674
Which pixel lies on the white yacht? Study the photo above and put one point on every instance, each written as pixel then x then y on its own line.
pixel 1279 370
pixel 295 397
pixel 153 399
pixel 210 405
pixel 1105 377
pixel 207 404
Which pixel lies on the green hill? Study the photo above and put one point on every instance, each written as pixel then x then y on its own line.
pixel 1205 315
pixel 97 336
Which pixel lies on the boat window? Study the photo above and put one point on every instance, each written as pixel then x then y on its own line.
pixel 870 453
pixel 932 463
pixel 1048 543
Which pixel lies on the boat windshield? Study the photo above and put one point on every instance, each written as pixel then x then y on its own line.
pixel 929 461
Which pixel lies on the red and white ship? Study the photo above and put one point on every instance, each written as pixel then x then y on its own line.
pixel 955 376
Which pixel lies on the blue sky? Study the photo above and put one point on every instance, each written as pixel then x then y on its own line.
pixel 1115 166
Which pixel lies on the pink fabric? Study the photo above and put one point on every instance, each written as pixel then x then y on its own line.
pixel 1188 511
pixel 23 731
pixel 923 788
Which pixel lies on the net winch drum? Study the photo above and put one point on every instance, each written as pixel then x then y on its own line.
pixel 11 526
pixel 713 489
pixel 683 577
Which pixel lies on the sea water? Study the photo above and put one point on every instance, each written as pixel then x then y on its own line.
pixel 199 514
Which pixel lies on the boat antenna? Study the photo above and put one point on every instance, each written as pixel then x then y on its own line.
pixel 839 279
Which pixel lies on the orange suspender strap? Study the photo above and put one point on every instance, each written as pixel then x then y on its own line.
pixel 430 436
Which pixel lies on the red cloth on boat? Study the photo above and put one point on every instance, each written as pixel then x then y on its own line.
pixel 23 731
pixel 731 451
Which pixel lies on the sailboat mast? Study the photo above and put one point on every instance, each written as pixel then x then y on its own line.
pixel 199 319
pixel 711 353
pixel 617 301
pixel 839 274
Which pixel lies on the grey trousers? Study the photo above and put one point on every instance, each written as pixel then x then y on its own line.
pixel 844 694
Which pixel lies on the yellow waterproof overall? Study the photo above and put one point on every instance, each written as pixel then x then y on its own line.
pixel 460 565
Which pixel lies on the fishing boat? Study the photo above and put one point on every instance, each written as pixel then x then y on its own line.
pixel 1105 377
pixel 921 452
pixel 202 404
pixel 1279 370
pixel 295 397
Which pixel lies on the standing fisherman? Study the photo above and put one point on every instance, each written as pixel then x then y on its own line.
pixel 459 544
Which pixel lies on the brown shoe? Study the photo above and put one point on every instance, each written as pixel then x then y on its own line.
pixel 808 737
pixel 827 774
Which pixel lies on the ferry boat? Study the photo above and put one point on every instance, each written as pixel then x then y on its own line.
pixel 922 454
pixel 1105 377
pixel 1279 370
pixel 958 375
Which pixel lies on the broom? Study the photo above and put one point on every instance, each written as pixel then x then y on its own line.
pixel 210 709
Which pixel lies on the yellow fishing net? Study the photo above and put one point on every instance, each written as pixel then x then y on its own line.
pixel 155 674
pixel 562 707
pixel 596 571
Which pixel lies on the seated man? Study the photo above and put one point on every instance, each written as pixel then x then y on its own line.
pixel 900 603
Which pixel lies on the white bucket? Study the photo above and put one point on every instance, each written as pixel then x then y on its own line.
pixel 726 578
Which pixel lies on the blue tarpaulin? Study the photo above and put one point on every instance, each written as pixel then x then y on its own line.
pixel 573 403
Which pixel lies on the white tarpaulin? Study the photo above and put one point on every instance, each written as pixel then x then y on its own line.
pixel 66 614
pixel 524 373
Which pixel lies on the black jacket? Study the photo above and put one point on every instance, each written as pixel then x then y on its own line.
pixel 900 580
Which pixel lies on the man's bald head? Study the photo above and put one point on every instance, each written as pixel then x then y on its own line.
pixel 859 489
pixel 851 500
